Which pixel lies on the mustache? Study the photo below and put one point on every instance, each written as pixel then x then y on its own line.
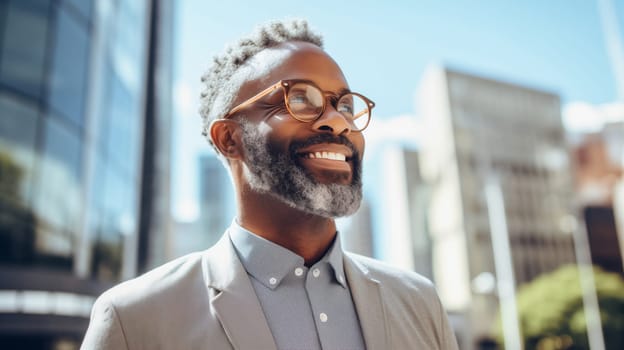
pixel 295 146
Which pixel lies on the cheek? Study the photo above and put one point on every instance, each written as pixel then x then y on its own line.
pixel 280 132
pixel 282 125
pixel 277 144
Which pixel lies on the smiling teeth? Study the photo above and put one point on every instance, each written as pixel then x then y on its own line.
pixel 327 155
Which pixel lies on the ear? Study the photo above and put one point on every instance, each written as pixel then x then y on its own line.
pixel 226 137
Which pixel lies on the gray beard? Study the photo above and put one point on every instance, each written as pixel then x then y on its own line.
pixel 278 174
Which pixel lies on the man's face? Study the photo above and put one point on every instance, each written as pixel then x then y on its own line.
pixel 290 159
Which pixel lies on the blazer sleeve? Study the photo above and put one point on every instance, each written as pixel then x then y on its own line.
pixel 105 331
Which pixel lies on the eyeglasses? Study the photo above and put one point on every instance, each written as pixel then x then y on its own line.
pixel 306 102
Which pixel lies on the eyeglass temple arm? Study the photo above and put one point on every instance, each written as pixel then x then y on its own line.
pixel 359 114
pixel 370 106
pixel 253 99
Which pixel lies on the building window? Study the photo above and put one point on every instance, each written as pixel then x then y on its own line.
pixel 107 252
pixel 18 129
pixel 84 7
pixel 123 129
pixel 57 202
pixel 24 38
pixel 18 125
pixel 69 68
pixel 117 219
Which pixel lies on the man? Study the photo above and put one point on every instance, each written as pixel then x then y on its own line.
pixel 280 113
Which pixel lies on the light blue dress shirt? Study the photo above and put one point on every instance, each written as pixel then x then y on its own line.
pixel 305 308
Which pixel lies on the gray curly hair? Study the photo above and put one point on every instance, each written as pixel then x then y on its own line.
pixel 225 77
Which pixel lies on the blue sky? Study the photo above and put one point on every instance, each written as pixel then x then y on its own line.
pixel 384 48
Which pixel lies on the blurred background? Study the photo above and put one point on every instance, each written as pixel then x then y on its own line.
pixel 494 162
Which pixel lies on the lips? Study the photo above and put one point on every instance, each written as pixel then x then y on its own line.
pixel 327 157
pixel 326 150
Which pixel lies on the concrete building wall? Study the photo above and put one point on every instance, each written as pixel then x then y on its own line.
pixel 483 131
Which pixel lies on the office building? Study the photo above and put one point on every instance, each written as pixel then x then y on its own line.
pixel 599 178
pixel 492 147
pixel 216 198
pixel 356 232
pixel 216 209
pixel 398 203
pixel 78 133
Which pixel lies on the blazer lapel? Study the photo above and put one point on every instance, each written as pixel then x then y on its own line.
pixel 234 299
pixel 366 293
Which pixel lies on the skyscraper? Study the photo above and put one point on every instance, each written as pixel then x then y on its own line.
pixel 216 198
pixel 485 134
pixel 74 85
pixel 216 209
pixel 357 236
pixel 399 203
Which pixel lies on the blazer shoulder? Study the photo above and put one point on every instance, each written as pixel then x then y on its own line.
pixel 159 282
pixel 166 308
pixel 389 275
pixel 412 307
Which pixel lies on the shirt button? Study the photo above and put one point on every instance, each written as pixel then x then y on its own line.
pixel 298 271
pixel 273 280
pixel 316 272
pixel 323 317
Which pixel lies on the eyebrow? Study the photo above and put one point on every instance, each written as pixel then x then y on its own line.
pixel 339 93
pixel 343 91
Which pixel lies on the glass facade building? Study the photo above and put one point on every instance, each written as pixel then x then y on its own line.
pixel 73 91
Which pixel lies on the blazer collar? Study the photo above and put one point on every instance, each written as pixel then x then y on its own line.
pixel 234 299
pixel 238 309
pixel 366 294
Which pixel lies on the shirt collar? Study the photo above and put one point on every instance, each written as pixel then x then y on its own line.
pixel 334 257
pixel 269 263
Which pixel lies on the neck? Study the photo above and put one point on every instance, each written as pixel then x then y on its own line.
pixel 302 233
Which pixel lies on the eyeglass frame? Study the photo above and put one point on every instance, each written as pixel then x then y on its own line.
pixel 286 84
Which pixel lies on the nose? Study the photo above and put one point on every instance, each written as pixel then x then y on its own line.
pixel 332 121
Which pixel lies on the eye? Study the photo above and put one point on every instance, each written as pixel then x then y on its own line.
pixel 305 101
pixel 297 98
pixel 345 108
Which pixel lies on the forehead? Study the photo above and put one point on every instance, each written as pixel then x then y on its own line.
pixel 297 60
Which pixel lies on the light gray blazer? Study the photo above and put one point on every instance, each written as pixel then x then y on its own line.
pixel 205 301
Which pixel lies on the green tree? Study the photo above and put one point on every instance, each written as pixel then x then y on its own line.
pixel 552 316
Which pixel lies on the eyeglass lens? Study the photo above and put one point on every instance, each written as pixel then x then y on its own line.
pixel 305 102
